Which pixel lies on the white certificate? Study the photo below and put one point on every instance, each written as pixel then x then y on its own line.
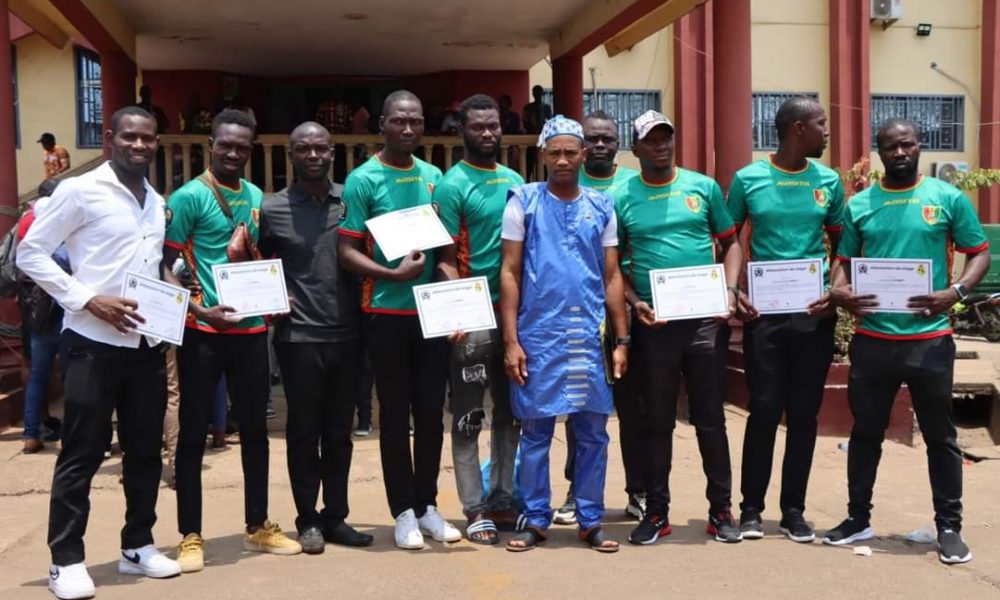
pixel 785 286
pixel 689 293
pixel 253 288
pixel 164 306
pixel 458 305
pixel 893 281
pixel 402 231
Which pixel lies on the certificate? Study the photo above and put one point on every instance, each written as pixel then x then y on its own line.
pixel 458 305
pixel 893 281
pixel 253 288
pixel 785 286
pixel 164 306
pixel 402 231
pixel 689 293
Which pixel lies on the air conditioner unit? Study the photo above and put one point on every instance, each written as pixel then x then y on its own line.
pixel 946 169
pixel 886 9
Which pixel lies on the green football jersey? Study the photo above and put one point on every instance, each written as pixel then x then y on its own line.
pixel 197 227
pixel 928 221
pixel 663 226
pixel 786 211
pixel 376 188
pixel 471 201
pixel 603 184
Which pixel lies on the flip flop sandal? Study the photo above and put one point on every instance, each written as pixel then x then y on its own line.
pixel 595 537
pixel 530 537
pixel 482 531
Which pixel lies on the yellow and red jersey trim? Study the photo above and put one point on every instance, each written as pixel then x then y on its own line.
pixel 927 335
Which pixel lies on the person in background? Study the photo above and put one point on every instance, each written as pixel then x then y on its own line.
pixel 55 158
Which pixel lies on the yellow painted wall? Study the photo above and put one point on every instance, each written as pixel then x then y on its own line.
pixel 46 86
pixel 791 41
pixel 900 63
pixel 791 48
pixel 648 66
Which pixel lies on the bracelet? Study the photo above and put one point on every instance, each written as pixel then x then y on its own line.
pixel 734 289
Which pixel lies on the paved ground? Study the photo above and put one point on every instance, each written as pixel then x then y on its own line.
pixel 687 562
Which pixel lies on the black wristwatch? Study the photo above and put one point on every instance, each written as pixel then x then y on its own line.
pixel 962 291
pixel 734 289
pixel 624 341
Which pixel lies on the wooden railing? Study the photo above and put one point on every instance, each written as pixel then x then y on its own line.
pixel 73 172
pixel 183 157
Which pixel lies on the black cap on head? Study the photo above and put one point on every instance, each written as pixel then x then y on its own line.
pixel 46 138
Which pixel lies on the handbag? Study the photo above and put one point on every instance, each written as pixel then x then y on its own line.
pixel 241 246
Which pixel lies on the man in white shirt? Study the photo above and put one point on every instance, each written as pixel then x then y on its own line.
pixel 112 222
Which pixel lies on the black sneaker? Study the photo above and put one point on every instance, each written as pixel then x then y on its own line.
pixel 312 541
pixel 364 428
pixel 650 529
pixel 566 514
pixel 636 507
pixel 849 531
pixel 951 549
pixel 722 526
pixel 794 526
pixel 751 525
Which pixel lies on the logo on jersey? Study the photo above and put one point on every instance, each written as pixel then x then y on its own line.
pixel 255 216
pixel 693 203
pixel 430 188
pixel 931 214
pixel 820 197
pixel 168 215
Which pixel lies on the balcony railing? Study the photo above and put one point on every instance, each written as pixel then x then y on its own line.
pixel 183 157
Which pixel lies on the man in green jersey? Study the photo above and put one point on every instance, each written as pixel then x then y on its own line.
pixel 601 172
pixel 201 217
pixel 410 372
pixel 670 217
pixel 471 198
pixel 906 216
pixel 785 202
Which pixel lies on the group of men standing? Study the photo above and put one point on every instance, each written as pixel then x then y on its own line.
pixel 567 261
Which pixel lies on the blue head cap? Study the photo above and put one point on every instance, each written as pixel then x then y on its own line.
pixel 559 125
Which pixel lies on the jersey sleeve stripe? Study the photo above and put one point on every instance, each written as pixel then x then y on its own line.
pixel 354 234
pixel 834 228
pixel 174 245
pixel 985 245
pixel 727 233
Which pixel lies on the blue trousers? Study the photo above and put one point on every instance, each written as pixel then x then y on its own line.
pixel 44 347
pixel 591 468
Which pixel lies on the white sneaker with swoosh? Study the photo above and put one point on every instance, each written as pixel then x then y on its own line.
pixel 71 582
pixel 147 561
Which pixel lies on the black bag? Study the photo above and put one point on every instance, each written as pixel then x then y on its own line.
pixel 9 277
pixel 39 312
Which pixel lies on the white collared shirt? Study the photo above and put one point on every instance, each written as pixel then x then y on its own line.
pixel 106 233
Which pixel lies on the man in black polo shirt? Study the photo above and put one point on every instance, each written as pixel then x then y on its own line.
pixel 317 345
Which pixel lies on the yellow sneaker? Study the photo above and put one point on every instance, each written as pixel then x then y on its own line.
pixel 269 538
pixel 191 553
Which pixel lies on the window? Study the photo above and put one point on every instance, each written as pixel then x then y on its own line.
pixel 88 99
pixel 940 118
pixel 624 106
pixel 17 110
pixel 765 106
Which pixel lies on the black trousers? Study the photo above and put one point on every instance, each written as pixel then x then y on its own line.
pixel 410 375
pixel 696 351
pixel 878 369
pixel 201 361
pixel 320 380
pixel 99 379
pixel 631 435
pixel 787 359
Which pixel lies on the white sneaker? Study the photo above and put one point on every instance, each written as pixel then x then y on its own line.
pixel 408 536
pixel 71 582
pixel 434 525
pixel 147 561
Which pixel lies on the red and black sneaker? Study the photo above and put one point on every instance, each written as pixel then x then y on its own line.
pixel 650 529
pixel 722 526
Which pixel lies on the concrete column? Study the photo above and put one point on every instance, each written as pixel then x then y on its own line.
pixel 567 86
pixel 850 89
pixel 693 91
pixel 8 142
pixel 118 73
pixel 733 89
pixel 989 131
